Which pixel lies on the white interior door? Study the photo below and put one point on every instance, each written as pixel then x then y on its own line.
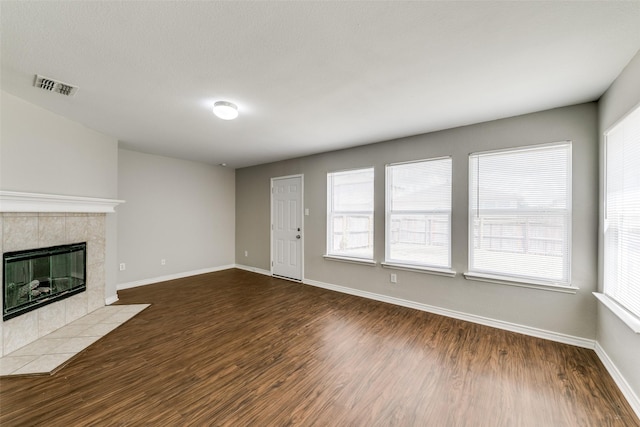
pixel 286 227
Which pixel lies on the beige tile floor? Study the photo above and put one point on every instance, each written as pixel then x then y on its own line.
pixel 52 351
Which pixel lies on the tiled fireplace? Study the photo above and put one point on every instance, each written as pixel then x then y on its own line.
pixel 28 221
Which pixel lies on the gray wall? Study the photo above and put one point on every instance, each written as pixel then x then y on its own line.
pixel 42 152
pixel 570 314
pixel 176 210
pixel 616 338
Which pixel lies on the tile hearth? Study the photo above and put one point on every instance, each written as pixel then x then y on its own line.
pixel 50 352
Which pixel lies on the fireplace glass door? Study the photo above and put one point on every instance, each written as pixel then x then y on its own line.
pixel 38 277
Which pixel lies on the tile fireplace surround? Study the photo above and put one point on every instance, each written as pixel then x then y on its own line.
pixel 32 221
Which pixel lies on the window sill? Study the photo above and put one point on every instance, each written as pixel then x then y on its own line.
pixel 362 261
pixel 488 278
pixel 417 269
pixel 629 319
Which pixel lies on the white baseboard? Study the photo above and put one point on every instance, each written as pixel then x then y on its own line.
pixel 153 280
pixel 513 327
pixel 111 299
pixel 622 384
pixel 253 269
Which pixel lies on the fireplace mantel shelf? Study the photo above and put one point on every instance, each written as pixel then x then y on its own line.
pixel 12 201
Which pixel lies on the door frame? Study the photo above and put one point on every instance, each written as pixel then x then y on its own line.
pixel 271 222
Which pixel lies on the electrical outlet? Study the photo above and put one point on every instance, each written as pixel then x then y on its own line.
pixel 123 266
pixel 394 278
pixel 246 253
pixel 163 261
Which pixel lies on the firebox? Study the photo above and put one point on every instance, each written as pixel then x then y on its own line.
pixel 37 277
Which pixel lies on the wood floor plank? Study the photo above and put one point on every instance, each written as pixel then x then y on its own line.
pixel 235 348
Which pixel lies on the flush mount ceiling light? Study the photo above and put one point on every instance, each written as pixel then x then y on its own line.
pixel 225 110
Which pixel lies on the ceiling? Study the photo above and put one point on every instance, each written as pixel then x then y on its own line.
pixel 308 77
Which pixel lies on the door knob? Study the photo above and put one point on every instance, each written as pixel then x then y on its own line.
pixel 298 236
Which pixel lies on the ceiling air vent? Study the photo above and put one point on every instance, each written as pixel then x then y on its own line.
pixel 51 85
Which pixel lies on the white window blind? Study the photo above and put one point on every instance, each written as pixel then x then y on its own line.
pixel 350 213
pixel 520 213
pixel 418 213
pixel 622 213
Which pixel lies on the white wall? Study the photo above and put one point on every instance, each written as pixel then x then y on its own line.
pixel 618 341
pixel 42 152
pixel 565 315
pixel 177 210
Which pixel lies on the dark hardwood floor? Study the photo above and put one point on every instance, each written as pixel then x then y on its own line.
pixel 235 348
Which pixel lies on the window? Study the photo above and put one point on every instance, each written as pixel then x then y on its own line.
pixel 418 213
pixel 622 213
pixel 520 214
pixel 350 214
